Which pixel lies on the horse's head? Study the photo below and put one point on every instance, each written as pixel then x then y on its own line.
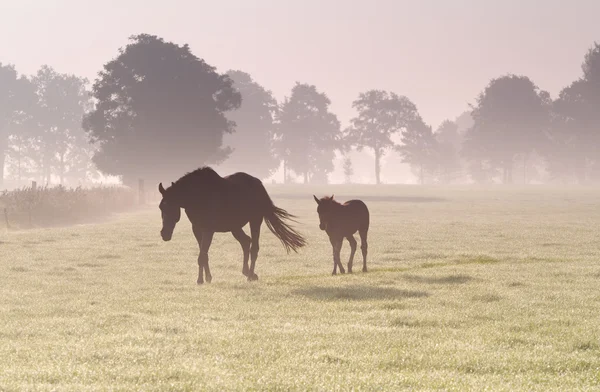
pixel 170 211
pixel 325 208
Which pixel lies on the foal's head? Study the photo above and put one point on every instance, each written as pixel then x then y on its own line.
pixel 170 211
pixel 326 206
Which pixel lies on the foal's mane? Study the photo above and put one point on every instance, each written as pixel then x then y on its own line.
pixel 330 200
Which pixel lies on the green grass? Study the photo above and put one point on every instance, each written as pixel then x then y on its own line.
pixel 485 289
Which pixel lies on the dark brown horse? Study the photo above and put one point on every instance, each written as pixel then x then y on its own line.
pixel 341 221
pixel 225 204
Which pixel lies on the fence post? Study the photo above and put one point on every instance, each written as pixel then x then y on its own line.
pixel 33 186
pixel 6 218
pixel 141 193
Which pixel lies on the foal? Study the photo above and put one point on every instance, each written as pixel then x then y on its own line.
pixel 341 221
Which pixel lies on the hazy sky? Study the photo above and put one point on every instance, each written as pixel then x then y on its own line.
pixel 439 53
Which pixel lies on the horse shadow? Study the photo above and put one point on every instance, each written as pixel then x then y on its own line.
pixel 442 280
pixel 357 293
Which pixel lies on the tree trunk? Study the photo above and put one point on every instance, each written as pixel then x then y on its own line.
pixel 305 177
pixel 285 174
pixel 377 166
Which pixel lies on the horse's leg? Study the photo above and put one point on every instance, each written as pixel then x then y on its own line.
pixel 207 237
pixel 255 234
pixel 336 243
pixel 352 242
pixel 363 247
pixel 244 240
pixel 198 235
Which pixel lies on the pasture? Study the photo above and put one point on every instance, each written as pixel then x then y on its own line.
pixel 468 289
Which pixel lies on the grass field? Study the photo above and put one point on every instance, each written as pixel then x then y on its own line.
pixel 468 289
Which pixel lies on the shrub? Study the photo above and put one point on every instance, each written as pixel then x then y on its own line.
pixel 58 205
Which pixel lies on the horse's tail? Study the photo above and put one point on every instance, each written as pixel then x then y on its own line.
pixel 277 221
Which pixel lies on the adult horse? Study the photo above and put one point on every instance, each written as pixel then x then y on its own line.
pixel 341 221
pixel 225 204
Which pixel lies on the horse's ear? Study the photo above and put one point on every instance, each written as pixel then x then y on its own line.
pixel 317 200
pixel 332 196
pixel 161 189
pixel 172 183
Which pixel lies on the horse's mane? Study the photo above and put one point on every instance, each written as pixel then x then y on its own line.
pixel 204 174
pixel 330 200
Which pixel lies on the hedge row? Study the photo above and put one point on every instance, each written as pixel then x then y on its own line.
pixel 52 206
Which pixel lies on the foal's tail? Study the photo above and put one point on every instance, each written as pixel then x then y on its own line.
pixel 276 222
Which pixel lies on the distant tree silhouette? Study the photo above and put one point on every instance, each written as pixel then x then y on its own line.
pixel 253 139
pixel 17 100
pixel 449 143
pixel 380 115
pixel 419 148
pixel 308 134
pixel 348 170
pixel 510 119
pixel 160 111
pixel 61 144
pixel 575 127
pixel 464 122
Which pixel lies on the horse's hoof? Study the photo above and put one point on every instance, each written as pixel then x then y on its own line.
pixel 208 280
pixel 364 270
pixel 349 271
pixel 342 272
pixel 252 278
pixel 333 273
pixel 245 273
pixel 199 282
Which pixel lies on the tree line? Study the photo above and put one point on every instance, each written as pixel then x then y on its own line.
pixel 156 110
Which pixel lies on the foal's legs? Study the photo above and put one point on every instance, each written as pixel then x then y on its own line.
pixel 244 240
pixel 255 234
pixel 336 243
pixel 363 247
pixel 352 242
pixel 204 240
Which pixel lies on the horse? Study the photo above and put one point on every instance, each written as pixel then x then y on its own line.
pixel 341 221
pixel 225 204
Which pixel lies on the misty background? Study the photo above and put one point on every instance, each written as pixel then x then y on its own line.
pixel 313 91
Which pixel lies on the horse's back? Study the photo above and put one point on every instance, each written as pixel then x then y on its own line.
pixel 359 211
pixel 248 191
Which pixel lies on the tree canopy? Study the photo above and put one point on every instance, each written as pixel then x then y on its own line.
pixel 380 116
pixel 252 142
pixel 160 111
pixel 17 101
pixel 510 118
pixel 308 134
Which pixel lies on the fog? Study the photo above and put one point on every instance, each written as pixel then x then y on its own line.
pixel 440 55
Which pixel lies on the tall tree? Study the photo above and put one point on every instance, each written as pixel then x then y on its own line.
pixel 419 148
pixel 308 134
pixel 63 100
pixel 252 142
pixel 575 129
pixel 160 111
pixel 510 119
pixel 17 100
pixel 380 116
pixel 449 143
